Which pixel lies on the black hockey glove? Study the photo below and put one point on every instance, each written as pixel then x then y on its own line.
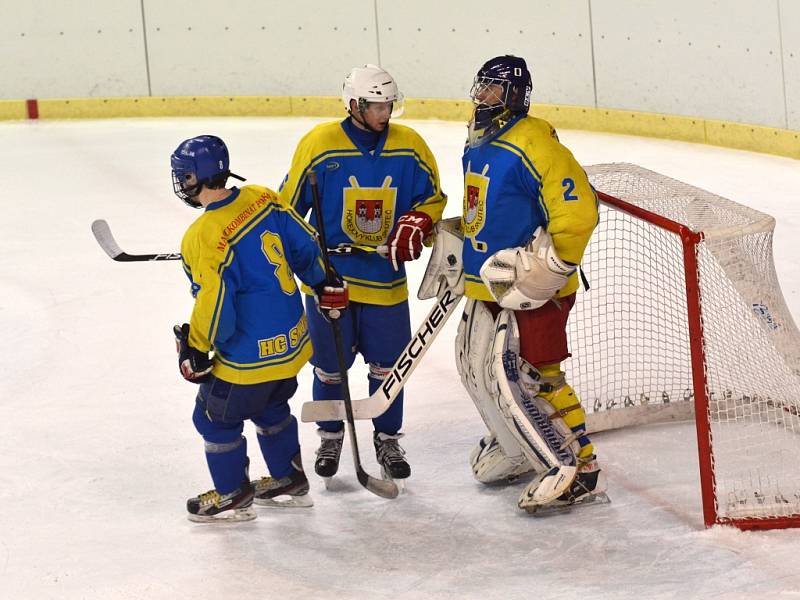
pixel 332 297
pixel 195 366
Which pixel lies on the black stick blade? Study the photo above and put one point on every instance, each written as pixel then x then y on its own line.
pixel 385 488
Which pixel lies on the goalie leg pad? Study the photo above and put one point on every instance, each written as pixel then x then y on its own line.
pixel 491 465
pixel 539 430
pixel 473 351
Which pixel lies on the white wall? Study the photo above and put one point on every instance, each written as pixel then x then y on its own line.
pixel 735 60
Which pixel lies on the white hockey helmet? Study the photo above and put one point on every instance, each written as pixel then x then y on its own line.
pixel 371 83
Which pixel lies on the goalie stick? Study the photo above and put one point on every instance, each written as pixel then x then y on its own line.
pixel 385 488
pixel 379 402
pixel 102 233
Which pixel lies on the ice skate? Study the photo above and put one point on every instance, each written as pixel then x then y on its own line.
pixel 587 487
pixel 391 458
pixel 286 492
pixel 212 506
pixel 328 453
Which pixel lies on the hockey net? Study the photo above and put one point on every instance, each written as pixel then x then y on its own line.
pixel 685 319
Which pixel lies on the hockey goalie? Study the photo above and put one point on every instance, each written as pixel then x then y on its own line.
pixel 529 212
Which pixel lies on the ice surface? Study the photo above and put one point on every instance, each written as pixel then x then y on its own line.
pixel 98 452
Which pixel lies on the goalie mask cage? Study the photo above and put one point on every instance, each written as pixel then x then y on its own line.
pixel 685 319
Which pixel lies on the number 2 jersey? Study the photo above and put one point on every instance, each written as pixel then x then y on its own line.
pixel 240 256
pixel 362 195
pixel 515 182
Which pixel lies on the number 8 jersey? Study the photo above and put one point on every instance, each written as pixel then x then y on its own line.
pixel 241 256
pixel 520 179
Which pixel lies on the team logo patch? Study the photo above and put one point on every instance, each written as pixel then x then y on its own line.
pixel 476 187
pixel 368 215
pixel 368 212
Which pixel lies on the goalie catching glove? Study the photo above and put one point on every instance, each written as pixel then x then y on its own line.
pixel 525 278
pixel 194 365
pixel 405 242
pixel 331 297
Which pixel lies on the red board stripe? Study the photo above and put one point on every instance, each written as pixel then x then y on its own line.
pixel 33 108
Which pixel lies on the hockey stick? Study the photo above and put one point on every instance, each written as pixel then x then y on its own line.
pixel 102 233
pixel 384 488
pixel 379 402
pixel 104 237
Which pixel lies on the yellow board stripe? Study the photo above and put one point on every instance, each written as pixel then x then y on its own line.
pixel 743 136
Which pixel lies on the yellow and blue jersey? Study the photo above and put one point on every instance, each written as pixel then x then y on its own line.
pixel 240 256
pixel 521 179
pixel 362 194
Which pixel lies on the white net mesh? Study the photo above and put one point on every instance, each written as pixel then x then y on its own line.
pixel 629 335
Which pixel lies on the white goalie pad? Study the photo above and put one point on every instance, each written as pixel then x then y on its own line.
pixel 445 267
pixel 543 436
pixel 491 465
pixel 525 278
pixel 498 456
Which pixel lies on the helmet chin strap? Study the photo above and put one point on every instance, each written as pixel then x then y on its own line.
pixel 363 121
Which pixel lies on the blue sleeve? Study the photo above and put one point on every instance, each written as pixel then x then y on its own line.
pixel 226 321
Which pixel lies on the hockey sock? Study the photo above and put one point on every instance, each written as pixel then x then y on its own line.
pixel 226 462
pixel 327 386
pixel 565 399
pixel 279 444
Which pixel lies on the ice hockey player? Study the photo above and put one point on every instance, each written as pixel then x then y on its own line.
pixel 240 256
pixel 529 211
pixel 378 185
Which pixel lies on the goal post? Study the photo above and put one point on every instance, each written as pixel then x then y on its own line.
pixel 685 319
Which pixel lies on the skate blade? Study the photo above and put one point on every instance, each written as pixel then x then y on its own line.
pixel 547 510
pixel 328 481
pixel 228 516
pixel 400 483
pixel 286 501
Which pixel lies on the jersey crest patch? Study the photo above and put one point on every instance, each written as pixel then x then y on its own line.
pixel 368 212
pixel 476 187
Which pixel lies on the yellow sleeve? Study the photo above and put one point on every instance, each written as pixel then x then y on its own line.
pixel 208 289
pixel 570 201
pixel 292 186
pixel 434 204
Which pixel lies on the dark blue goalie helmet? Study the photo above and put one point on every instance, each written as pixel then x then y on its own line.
pixel 199 161
pixel 501 89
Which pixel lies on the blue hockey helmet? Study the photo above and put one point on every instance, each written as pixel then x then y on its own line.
pixel 502 88
pixel 199 161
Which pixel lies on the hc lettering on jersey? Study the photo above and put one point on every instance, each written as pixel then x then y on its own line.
pixel 368 212
pixel 279 344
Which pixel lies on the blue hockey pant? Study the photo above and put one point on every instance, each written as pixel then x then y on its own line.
pixel 219 414
pixel 379 333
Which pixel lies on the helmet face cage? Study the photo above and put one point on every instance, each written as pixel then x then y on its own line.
pixel 481 85
pixel 186 187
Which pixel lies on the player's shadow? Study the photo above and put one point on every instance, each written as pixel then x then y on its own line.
pixel 337 485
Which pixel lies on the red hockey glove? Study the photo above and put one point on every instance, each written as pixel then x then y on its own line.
pixel 332 298
pixel 405 242
pixel 195 366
